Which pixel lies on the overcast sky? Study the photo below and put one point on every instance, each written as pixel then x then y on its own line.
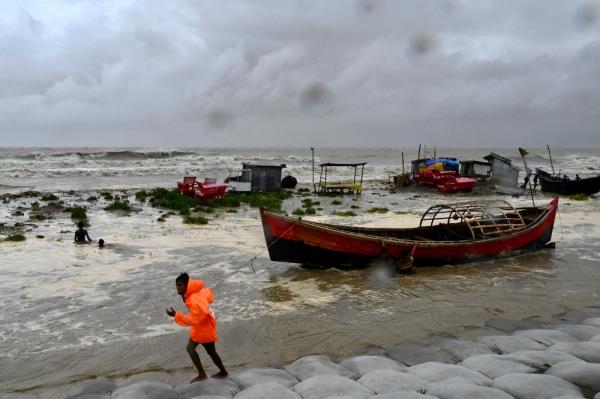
pixel 459 73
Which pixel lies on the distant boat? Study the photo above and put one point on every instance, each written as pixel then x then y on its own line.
pixel 209 189
pixel 448 233
pixel 560 185
pixel 441 173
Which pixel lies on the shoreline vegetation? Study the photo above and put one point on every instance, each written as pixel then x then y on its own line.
pixel 39 206
pixel 31 207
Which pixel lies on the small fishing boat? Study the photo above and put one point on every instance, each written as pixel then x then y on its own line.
pixel 447 234
pixel 446 182
pixel 441 173
pixel 207 190
pixel 566 186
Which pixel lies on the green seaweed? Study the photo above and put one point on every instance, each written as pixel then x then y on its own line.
pixel 579 197
pixel 141 196
pixel 228 201
pixel 15 237
pixel 344 213
pixel 309 203
pixel 78 214
pixel 106 195
pixel 171 199
pixel 49 197
pixel 271 201
pixel 119 205
pixel 205 209
pixel 195 220
pixel 378 210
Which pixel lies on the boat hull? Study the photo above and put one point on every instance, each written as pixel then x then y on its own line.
pixel 555 185
pixel 293 240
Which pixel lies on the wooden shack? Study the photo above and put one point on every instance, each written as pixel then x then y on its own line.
pixel 476 169
pixel 504 173
pixel 263 177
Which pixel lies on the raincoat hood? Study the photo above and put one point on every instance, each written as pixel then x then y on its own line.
pixel 193 286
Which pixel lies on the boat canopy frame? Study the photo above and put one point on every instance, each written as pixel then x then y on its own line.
pixel 353 186
pixel 480 217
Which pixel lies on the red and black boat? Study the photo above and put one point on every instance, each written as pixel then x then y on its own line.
pixel 447 234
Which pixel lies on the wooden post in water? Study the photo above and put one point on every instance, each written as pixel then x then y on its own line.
pixel 312 150
pixel 402 162
pixel 412 165
pixel 550 154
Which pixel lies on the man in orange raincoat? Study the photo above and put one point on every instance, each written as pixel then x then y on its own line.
pixel 201 318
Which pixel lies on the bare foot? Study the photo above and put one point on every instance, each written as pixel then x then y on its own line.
pixel 220 374
pixel 199 377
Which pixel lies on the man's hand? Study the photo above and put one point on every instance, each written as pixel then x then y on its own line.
pixel 171 312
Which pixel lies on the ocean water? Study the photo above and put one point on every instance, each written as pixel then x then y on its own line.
pixel 99 168
pixel 69 312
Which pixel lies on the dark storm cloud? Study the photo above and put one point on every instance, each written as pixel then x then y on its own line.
pixel 316 99
pixel 272 72
pixel 423 43
pixel 218 119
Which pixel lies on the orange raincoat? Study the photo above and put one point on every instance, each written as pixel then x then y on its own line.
pixel 201 317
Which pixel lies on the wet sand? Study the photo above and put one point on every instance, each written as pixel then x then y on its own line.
pixel 70 312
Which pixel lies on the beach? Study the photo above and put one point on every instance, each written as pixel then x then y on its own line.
pixel 70 313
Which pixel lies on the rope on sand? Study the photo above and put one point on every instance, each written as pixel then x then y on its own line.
pixel 250 262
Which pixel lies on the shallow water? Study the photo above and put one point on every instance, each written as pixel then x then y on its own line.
pixel 69 312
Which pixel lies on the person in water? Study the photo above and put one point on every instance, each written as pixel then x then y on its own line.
pixel 101 243
pixel 81 234
pixel 201 318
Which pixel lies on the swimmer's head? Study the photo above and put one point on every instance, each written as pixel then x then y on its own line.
pixel 101 243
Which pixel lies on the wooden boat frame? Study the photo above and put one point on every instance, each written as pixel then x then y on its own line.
pixel 477 216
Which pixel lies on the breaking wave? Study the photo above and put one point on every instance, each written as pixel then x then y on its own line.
pixel 107 155
pixel 46 168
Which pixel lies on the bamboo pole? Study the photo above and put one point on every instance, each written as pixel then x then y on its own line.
pixel 550 154
pixel 402 162
pixel 312 150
